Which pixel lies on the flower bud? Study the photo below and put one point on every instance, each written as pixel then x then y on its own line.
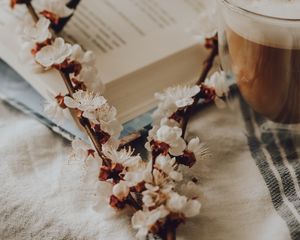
pixel 121 190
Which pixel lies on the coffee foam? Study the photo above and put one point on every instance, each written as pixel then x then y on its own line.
pixel 264 30
pixel 287 9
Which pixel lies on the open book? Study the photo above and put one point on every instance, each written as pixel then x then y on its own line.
pixel 141 47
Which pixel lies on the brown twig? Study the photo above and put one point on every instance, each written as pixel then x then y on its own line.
pixel 132 202
pixel 83 122
pixel 91 134
pixel 171 233
pixel 32 11
pixel 208 64
pixel 71 90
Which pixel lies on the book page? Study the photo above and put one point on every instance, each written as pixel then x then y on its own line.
pixel 142 47
pixel 127 35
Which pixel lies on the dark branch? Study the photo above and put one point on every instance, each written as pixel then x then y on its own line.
pixel 208 64
pixel 32 12
pixel 63 21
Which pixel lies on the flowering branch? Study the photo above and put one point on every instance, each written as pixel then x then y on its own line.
pixel 83 121
pixel 71 91
pixel 154 189
pixel 65 74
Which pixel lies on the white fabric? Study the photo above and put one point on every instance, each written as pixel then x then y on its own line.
pixel 41 195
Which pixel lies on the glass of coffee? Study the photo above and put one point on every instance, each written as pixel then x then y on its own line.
pixel 260 47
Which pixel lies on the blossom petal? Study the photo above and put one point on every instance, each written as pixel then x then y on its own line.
pixel 184 102
pixel 193 143
pixel 178 148
pixel 70 102
pixel 192 208
pixel 121 190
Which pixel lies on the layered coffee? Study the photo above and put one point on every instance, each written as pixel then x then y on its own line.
pixel 265 58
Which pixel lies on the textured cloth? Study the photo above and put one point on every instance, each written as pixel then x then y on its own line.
pixel 250 184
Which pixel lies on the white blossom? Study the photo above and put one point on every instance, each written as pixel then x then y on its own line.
pixel 54 111
pixel 172 99
pixel 198 148
pixel 169 122
pixel 172 137
pixel 30 34
pixel 85 101
pixel 160 179
pixel 124 156
pixel 57 7
pixel 176 203
pixel 53 54
pixel 157 190
pixel 141 172
pixel 154 196
pixel 143 221
pixel 169 135
pixel 120 190
pixel 151 198
pixel 218 82
pixel 181 96
pixel 84 57
pixel 90 77
pixel 85 156
pixel 36 33
pixel 168 166
pixel 181 204
pixel 192 208
pixel 106 117
pixel 162 113
pixel 190 190
pixel 80 151
pixel 88 74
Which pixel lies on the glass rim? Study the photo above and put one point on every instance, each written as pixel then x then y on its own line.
pixel 240 9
